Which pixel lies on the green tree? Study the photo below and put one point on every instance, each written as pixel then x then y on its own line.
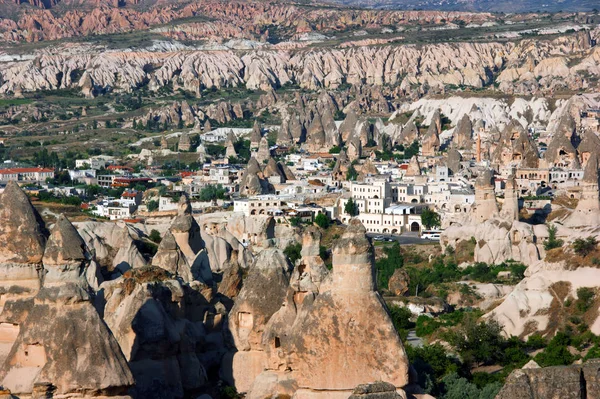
pixel 351 208
pixel 155 236
pixel 585 299
pixel 584 246
pixel 430 218
pixel 95 124
pixel 552 242
pixel 387 265
pixel 460 388
pixel 478 342
pixel 295 221
pixel 351 174
pixel 152 205
pixel 557 352
pixel 292 251
pixel 212 192
pixel 322 221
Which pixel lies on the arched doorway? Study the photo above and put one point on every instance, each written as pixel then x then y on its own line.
pixel 414 226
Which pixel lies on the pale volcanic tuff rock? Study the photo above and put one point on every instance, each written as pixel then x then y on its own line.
pixel 575 381
pixel 516 147
pixel 313 333
pixel 158 324
pixel 253 181
pixel 22 239
pixel 587 212
pixel 463 133
pixel 113 245
pixel 561 152
pixel 453 160
pixel 529 307
pixel 438 65
pixel 181 250
pixel 63 342
pixel 261 296
pixel 590 144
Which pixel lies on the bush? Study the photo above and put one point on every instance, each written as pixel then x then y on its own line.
pixel 536 341
pixel 212 192
pixel 431 364
pixel 322 221
pixel 155 236
pixel 152 205
pixel 295 221
pixel 292 251
pixel 478 342
pixel 584 247
pixel 401 318
pixel 552 242
pixel 430 218
pixel 351 208
pixel 593 353
pixel 585 299
pixel 351 174
pixel 457 387
pixel 556 353
pixel 386 266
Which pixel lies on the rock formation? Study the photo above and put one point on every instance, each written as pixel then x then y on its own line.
pixel 590 144
pixel 463 133
pixel 485 206
pixel 431 141
pixel 63 317
pixel 256 135
pixel 414 168
pixel 263 154
pixel 410 133
pixel 575 381
pixel 181 250
pixel 261 296
pixel 184 142
pixel 516 148
pixel 510 207
pixel 453 161
pixel 561 152
pixel 253 181
pixel 334 319
pixel 587 212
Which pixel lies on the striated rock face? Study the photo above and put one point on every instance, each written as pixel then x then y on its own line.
pixel 158 324
pixel 113 246
pixel 63 342
pixel 561 151
pixel 463 133
pixel 392 65
pixel 261 296
pixel 576 381
pixel 516 148
pixel 22 235
pixel 253 181
pixel 181 250
pixel 313 334
pixel 587 213
pixel 590 143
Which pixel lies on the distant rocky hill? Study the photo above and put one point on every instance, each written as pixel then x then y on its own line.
pixel 479 5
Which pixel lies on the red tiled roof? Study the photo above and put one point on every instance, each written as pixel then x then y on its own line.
pixel 25 170
pixel 118 167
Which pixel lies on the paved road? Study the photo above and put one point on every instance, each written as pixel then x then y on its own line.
pixel 413 340
pixel 404 239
